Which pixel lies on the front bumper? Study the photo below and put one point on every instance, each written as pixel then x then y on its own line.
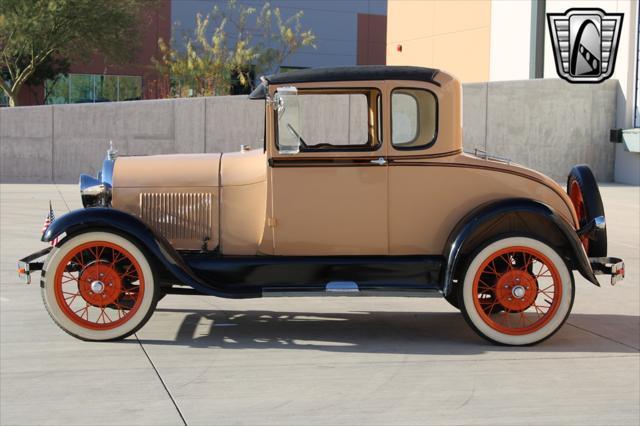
pixel 28 264
pixel 608 266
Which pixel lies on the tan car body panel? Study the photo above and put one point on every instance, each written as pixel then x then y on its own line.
pixel 243 202
pixel 167 176
pixel 236 183
pixel 459 183
pixel 339 203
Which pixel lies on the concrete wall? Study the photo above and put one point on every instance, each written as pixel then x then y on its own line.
pixel 45 143
pixel 548 125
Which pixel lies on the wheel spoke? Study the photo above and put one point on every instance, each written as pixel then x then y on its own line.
pixel 69 281
pixel 547 293
pixel 491 269
pixel 542 266
pixel 117 257
pixel 79 260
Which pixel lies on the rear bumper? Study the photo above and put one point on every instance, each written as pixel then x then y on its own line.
pixel 608 266
pixel 28 264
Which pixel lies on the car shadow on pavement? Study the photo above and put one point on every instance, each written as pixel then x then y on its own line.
pixel 443 333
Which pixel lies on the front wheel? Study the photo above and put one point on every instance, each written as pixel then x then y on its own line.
pixel 99 286
pixel 516 291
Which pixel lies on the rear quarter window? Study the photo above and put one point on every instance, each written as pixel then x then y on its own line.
pixel 414 118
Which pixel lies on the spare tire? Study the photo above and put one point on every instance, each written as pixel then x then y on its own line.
pixel 585 196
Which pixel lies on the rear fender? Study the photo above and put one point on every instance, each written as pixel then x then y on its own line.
pixel 125 224
pixel 503 217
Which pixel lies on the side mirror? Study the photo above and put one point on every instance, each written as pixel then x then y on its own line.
pixel 286 104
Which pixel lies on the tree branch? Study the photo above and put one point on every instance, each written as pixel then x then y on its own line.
pixel 5 87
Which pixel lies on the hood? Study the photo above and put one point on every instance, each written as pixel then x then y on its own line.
pixel 167 171
pixel 190 170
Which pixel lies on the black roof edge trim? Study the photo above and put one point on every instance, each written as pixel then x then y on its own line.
pixel 353 73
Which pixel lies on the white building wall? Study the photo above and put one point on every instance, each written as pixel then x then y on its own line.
pixel 510 40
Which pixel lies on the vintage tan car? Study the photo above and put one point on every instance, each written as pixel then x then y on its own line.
pixel 361 189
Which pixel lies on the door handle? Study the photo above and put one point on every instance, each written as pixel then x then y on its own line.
pixel 379 161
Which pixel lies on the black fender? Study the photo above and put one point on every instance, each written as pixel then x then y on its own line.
pixel 593 207
pixel 523 215
pixel 113 220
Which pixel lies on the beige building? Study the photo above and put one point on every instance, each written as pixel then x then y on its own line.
pixel 497 40
pixel 451 35
pixel 492 40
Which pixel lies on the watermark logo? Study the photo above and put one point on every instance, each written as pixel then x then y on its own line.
pixel 585 43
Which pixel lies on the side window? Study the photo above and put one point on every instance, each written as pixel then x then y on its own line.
pixel 337 119
pixel 414 118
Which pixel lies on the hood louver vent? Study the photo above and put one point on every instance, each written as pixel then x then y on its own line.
pixel 183 218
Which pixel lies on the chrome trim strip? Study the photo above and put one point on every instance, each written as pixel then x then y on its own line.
pixel 342 287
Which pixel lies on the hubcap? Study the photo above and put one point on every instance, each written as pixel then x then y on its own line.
pixel 518 291
pixel 100 284
pixel 97 287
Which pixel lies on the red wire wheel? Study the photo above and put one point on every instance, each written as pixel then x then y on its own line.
pixel 575 193
pixel 517 290
pixel 99 285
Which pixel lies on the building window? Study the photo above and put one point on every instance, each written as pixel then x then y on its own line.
pixel 4 99
pixel 106 88
pixel 90 88
pixel 57 91
pixel 129 88
pixel 81 89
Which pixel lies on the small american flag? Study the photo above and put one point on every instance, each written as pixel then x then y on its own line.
pixel 48 221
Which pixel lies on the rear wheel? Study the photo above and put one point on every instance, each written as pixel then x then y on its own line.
pixel 99 286
pixel 516 291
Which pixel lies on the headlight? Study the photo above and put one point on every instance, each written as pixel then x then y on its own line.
pixel 96 192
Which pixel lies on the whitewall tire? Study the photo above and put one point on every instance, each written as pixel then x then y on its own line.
pixel 516 291
pixel 98 286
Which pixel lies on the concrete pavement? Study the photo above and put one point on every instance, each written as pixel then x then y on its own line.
pixel 203 360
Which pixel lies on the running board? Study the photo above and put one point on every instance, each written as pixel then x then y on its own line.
pixel 350 288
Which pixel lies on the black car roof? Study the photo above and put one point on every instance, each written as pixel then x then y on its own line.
pixel 355 73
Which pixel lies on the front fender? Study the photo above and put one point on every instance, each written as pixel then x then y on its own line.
pixel 126 224
pixel 514 215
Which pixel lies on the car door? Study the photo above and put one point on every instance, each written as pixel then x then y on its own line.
pixel 424 188
pixel 331 197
